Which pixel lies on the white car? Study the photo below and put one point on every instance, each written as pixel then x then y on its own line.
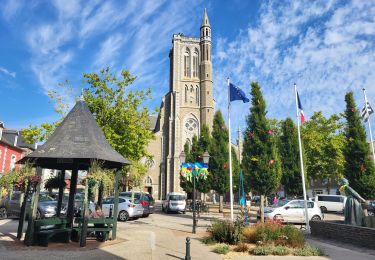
pixel 330 202
pixel 175 201
pixel 126 208
pixel 292 211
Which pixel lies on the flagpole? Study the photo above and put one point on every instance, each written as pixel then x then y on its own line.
pixel 369 127
pixel 230 158
pixel 301 160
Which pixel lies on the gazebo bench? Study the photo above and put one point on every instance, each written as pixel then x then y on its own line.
pixel 93 225
pixel 51 229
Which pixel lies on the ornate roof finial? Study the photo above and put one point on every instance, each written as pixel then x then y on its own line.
pixel 81 98
pixel 205 21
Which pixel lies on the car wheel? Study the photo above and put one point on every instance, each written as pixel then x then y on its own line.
pixel 370 213
pixel 316 218
pixel 323 209
pixel 278 217
pixel 123 215
pixel 145 215
pixel 3 213
pixel 184 212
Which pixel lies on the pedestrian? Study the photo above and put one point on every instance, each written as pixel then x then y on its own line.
pixel 275 200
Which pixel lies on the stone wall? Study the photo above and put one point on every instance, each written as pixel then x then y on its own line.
pixel 360 236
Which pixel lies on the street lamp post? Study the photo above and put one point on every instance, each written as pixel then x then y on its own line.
pixel 195 172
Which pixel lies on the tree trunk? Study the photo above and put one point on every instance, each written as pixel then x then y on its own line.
pixel 221 203
pixel 262 208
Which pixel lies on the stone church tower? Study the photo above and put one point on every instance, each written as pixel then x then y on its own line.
pixel 187 106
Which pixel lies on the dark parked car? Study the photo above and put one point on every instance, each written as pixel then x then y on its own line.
pixel 371 208
pixel 11 208
pixel 146 200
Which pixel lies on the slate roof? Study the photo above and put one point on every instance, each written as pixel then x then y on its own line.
pixel 9 136
pixel 77 140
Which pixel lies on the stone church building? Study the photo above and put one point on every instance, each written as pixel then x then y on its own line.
pixel 187 106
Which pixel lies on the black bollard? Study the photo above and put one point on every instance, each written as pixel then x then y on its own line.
pixel 187 256
pixel 110 210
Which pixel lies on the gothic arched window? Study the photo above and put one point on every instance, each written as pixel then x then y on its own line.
pixel 197 95
pixel 195 64
pixel 187 63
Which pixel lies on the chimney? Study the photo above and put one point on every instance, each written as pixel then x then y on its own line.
pixel 1 129
pixel 16 138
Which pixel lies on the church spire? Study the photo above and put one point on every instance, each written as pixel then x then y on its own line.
pixel 205 21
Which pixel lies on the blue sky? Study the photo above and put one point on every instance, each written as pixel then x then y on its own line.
pixel 326 47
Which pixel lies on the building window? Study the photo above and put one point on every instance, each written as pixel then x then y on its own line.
pixel 195 64
pixel 197 95
pixel 191 125
pixel 13 162
pixel 187 63
pixel 148 181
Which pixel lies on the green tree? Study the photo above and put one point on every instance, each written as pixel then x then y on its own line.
pixel 323 142
pixel 261 164
pixel 118 110
pixel 203 186
pixel 218 165
pixel 199 146
pixel 290 161
pixel 359 170
pixel 235 170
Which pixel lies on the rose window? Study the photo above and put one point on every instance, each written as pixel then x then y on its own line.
pixel 191 125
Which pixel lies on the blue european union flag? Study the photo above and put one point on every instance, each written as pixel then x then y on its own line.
pixel 235 93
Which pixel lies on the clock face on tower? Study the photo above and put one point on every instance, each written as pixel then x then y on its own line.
pixel 191 125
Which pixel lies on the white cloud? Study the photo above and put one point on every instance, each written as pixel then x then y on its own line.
pixel 7 72
pixel 10 8
pixel 327 48
pixel 109 50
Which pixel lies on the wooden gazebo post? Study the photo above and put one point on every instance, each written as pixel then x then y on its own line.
pixel 29 237
pixel 72 193
pixel 61 192
pixel 115 208
pixel 21 221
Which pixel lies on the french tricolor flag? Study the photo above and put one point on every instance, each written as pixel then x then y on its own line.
pixel 302 115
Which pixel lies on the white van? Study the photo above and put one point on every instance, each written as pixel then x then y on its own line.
pixel 330 202
pixel 175 201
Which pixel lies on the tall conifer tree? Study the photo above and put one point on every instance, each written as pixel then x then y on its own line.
pixel 359 169
pixel 289 155
pixel 218 165
pixel 261 163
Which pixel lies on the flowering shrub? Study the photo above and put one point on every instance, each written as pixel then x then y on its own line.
pixel 273 233
pixel 225 231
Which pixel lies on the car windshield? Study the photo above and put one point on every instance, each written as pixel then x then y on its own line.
pixel 129 195
pixel 45 197
pixel 176 197
pixel 280 203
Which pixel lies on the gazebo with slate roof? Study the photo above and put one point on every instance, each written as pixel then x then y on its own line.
pixel 74 145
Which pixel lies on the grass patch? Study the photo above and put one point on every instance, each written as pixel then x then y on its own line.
pixel 208 240
pixel 281 250
pixel 221 249
pixel 308 251
pixel 263 250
